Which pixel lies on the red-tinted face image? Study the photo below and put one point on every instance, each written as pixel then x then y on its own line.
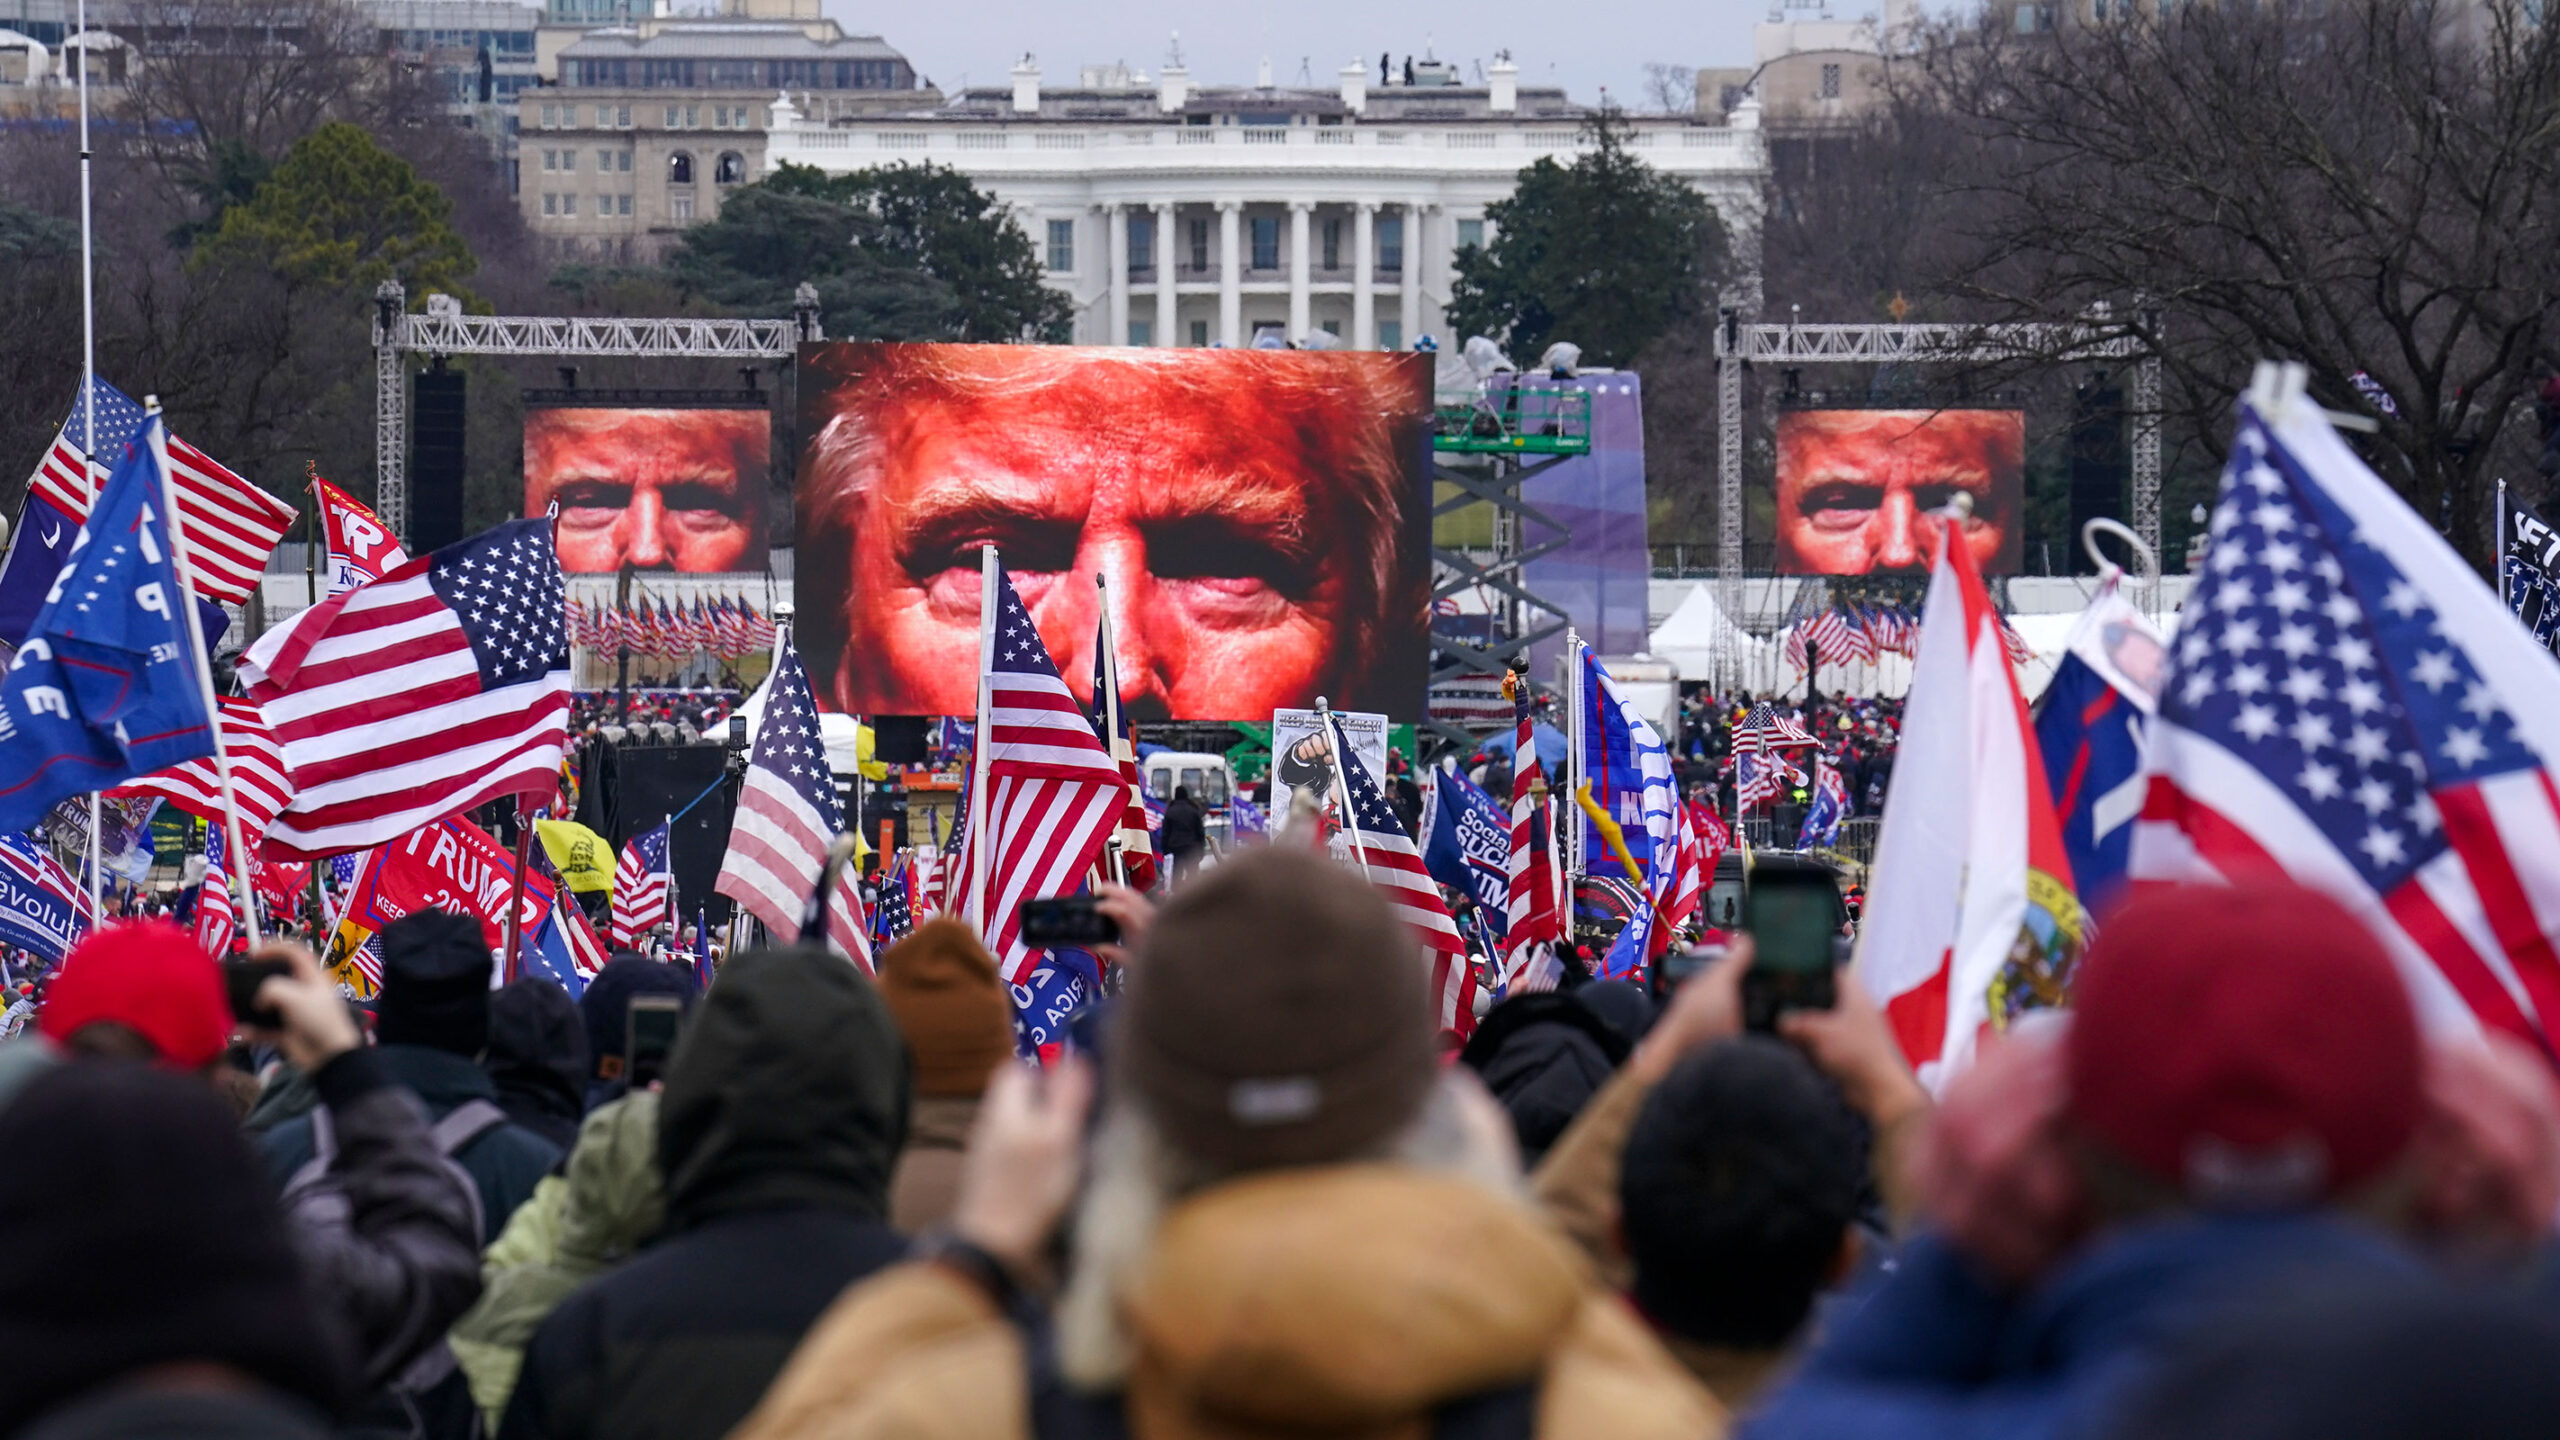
pixel 654 489
pixel 1857 488
pixel 1259 518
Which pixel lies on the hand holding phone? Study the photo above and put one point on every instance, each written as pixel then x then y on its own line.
pixel 649 1038
pixel 1067 920
pixel 1792 915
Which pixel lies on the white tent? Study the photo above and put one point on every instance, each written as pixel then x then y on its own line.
pixel 1695 632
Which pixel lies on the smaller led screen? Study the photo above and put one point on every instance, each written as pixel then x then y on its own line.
pixel 1857 488
pixel 658 489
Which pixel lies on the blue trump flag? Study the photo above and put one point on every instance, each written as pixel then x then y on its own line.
pixel 1065 980
pixel 105 686
pixel 2090 724
pixel 1467 846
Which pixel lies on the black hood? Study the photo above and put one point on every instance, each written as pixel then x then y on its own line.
pixel 538 1057
pixel 789 1087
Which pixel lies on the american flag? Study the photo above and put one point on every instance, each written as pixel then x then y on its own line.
pixel 1134 840
pixel 2348 704
pixel 1694 864
pixel 1828 636
pixel 640 886
pixel 787 816
pixel 217 920
pixel 37 924
pixel 1386 854
pixel 232 525
pixel 1764 728
pixel 1052 792
pixel 1760 775
pixel 895 915
pixel 1530 901
pixel 1858 641
pixel 257 775
pixel 440 686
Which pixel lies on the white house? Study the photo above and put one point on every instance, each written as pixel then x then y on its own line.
pixel 1182 215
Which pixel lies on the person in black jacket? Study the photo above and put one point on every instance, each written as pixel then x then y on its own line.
pixel 433 1024
pixel 1544 1054
pixel 785 1107
pixel 538 1058
pixel 1185 835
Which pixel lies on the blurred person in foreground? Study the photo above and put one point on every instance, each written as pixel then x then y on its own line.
pixel 1292 1222
pixel 150 1289
pixel 2239 1107
pixel 957 1017
pixel 384 1236
pixel 784 1109
pixel 1719 1178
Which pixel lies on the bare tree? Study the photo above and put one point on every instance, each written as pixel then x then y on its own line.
pixel 2371 188
pixel 1670 89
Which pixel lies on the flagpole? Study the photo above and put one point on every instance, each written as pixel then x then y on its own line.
pixel 1110 666
pixel 1574 859
pixel 989 568
pixel 2498 565
pixel 157 435
pixel 89 388
pixel 1342 783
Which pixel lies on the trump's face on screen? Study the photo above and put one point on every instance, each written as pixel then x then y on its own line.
pixel 1858 489
pixel 654 489
pixel 1249 512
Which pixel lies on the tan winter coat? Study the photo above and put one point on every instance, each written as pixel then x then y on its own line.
pixel 1342 1302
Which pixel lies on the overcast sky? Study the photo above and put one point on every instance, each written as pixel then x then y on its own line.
pixel 1582 47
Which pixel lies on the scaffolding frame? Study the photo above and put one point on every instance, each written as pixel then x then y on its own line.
pixel 1525 618
pixel 1738 344
pixel 444 330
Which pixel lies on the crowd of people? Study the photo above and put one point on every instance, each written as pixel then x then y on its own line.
pixel 2235 1191
pixel 1859 735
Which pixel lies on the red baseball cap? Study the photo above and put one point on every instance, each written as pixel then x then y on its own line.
pixel 150 976
pixel 2251 1044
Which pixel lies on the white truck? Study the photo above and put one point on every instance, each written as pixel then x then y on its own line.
pixel 1207 779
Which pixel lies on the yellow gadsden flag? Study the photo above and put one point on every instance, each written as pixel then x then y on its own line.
pixel 582 857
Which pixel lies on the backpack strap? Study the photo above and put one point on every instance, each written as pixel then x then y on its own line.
pixel 465 1123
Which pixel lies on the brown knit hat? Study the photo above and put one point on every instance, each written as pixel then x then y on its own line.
pixel 1277 1014
pixel 957 1016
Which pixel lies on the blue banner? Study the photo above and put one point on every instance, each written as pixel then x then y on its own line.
pixel 36 902
pixel 1469 847
pixel 1065 981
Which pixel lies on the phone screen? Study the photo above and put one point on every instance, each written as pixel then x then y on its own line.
pixel 652 1036
pixel 1791 924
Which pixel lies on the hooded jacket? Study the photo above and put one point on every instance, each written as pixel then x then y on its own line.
pixel 1360 1300
pixel 784 1110
pixel 1544 1055
pixel 537 1057
pixel 607 1207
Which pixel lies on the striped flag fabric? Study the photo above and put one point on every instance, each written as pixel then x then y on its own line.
pixel 2349 704
pixel 217 920
pixel 232 525
pixel 641 886
pixel 1134 839
pixel 257 775
pixel 1857 637
pixel 787 816
pixel 1386 854
pixel 41 907
pixel 1764 728
pixel 894 917
pixel 1532 924
pixel 1052 796
pixel 441 686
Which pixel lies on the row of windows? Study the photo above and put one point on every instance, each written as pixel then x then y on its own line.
pixel 1263 242
pixel 737 74
pixel 501 44
pixel 606 160
pixel 567 204
pixel 729 169
pixel 675 117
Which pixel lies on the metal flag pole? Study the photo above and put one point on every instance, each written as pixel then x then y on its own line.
pixel 2498 565
pixel 1572 748
pixel 989 568
pixel 89 394
pixel 1110 670
pixel 157 435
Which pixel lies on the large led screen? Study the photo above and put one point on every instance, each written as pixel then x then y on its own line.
pixel 658 489
pixel 1857 488
pixel 1261 519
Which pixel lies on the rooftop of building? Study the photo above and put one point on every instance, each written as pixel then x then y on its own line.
pixel 726 39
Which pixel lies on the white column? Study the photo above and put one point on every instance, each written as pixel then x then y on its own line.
pixel 1231 273
pixel 1301 305
pixel 1115 219
pixel 1364 276
pixel 1166 314
pixel 1409 288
